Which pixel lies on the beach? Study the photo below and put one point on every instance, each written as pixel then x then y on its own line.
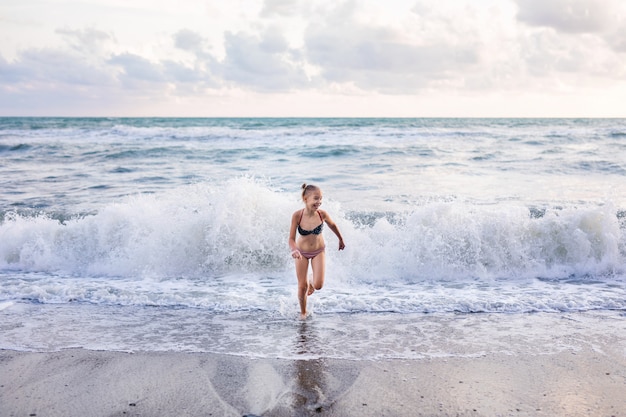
pixel 585 377
pixel 145 267
pixel 88 383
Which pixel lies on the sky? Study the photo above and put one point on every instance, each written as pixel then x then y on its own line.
pixel 313 58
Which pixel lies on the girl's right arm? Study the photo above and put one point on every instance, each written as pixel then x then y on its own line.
pixel 295 252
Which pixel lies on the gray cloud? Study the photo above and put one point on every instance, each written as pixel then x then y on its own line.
pixel 617 40
pixel 377 58
pixel 279 8
pixel 35 66
pixel 59 100
pixel 363 50
pixel 152 78
pixel 262 62
pixel 205 65
pixel 136 70
pixel 570 16
pixel 188 40
pixel 573 38
pixel 87 40
pixel 10 73
pixel 45 81
pixel 179 73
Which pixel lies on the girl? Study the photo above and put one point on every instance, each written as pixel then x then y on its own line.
pixel 310 247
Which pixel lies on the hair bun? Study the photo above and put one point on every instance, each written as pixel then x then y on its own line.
pixel 304 186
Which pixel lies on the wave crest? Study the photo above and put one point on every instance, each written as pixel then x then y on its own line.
pixel 241 226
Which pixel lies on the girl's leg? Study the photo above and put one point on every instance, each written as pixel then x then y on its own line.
pixel 302 266
pixel 318 264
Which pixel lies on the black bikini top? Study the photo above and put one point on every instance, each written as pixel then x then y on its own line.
pixel 315 231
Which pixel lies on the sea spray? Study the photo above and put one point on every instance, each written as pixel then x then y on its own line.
pixel 460 241
pixel 241 227
pixel 196 230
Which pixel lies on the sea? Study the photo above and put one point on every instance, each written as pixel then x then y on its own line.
pixel 170 235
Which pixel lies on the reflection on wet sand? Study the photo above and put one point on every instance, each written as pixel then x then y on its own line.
pixel 310 374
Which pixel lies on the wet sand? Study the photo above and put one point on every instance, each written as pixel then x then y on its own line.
pixel 77 382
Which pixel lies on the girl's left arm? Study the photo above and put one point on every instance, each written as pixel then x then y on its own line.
pixel 334 228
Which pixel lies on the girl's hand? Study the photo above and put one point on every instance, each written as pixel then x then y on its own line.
pixel 296 254
pixel 341 245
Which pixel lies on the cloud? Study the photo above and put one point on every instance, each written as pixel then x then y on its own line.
pixel 570 16
pixel 10 74
pixel 182 74
pixel 385 58
pixel 190 41
pixel 87 40
pixel 617 40
pixel 51 66
pixel 262 62
pixel 575 42
pixel 602 18
pixel 88 79
pixel 137 70
pixel 54 82
pixel 323 49
pixel 279 8
pixel 344 54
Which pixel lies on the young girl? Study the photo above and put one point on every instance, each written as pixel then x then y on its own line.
pixel 310 246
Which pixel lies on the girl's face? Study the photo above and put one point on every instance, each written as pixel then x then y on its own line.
pixel 313 200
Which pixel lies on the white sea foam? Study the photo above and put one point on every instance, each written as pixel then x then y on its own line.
pixel 225 248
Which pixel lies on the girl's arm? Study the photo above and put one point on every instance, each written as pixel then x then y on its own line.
pixel 334 228
pixel 295 252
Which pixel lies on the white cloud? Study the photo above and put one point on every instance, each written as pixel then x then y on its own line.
pixel 156 54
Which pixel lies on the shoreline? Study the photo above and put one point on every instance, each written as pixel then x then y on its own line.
pixel 72 382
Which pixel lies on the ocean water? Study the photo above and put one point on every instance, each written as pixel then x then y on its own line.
pixel 171 234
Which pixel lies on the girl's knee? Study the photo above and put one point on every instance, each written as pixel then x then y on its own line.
pixel 318 283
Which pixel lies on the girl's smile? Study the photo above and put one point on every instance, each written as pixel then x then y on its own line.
pixel 314 200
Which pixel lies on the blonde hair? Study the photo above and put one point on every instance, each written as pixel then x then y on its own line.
pixel 306 188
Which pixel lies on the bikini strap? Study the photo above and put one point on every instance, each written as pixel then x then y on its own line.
pixel 318 212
